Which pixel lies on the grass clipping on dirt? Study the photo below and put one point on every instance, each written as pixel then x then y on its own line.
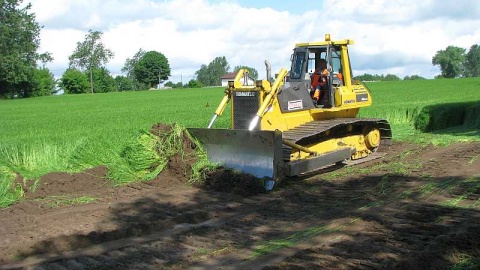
pixel 10 191
pixel 171 148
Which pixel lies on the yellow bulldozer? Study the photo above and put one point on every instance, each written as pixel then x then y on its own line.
pixel 278 130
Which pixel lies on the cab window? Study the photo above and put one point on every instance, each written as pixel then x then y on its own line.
pixel 297 64
pixel 336 63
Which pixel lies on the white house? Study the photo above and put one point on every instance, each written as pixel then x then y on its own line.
pixel 231 76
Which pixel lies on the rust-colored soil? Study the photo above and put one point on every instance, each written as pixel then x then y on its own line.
pixel 417 208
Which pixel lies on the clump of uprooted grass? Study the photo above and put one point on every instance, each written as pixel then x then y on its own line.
pixel 10 192
pixel 443 116
pixel 147 154
pixel 138 160
pixel 203 167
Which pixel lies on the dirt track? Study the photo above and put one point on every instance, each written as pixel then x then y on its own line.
pixel 417 208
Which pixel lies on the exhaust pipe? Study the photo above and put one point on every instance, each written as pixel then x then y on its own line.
pixel 269 70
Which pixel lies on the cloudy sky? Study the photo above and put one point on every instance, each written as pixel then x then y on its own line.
pixel 396 36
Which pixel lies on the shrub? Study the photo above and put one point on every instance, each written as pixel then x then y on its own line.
pixel 123 83
pixel 103 81
pixel 74 82
pixel 43 83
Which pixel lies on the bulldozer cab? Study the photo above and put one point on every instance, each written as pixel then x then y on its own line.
pixel 305 61
pixel 334 65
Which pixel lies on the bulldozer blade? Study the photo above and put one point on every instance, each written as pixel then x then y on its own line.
pixel 256 152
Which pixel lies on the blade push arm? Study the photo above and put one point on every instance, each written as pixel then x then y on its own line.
pixel 220 108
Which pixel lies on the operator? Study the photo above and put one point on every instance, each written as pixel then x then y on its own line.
pixel 319 81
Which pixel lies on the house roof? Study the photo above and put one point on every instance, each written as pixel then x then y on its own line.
pixel 232 75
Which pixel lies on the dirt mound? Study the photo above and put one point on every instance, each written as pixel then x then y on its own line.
pixel 89 182
pixel 160 128
pixel 226 180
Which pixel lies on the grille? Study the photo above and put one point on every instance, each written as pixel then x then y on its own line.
pixel 245 106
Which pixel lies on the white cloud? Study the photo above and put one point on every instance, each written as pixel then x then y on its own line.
pixel 398 36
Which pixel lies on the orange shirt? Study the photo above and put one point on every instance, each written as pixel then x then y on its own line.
pixel 319 78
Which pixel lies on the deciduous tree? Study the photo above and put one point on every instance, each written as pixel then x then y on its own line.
pixel 194 84
pixel 123 83
pixel 44 83
pixel 210 74
pixel 131 62
pixel 413 77
pixel 103 82
pixel 170 84
pixel 174 85
pixel 90 54
pixel 251 71
pixel 450 60
pixel 391 77
pixel 74 81
pixel 365 77
pixel 472 62
pixel 152 68
pixel 19 42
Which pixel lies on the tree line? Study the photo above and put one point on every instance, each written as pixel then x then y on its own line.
pixel 388 77
pixel 23 72
pixel 454 62
pixel 209 75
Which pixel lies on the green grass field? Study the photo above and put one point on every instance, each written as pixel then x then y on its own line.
pixel 74 132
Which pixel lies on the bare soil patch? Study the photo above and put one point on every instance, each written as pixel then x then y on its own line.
pixel 417 208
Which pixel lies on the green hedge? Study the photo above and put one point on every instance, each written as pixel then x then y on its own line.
pixel 442 116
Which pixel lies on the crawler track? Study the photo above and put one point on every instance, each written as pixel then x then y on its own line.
pixel 316 131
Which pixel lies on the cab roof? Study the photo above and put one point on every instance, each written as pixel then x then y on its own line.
pixel 325 43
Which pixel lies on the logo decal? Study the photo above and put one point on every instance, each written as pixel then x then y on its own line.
pixel 295 105
pixel 244 94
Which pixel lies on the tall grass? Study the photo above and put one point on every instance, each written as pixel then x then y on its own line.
pixel 35 159
pixel 403 102
pixel 443 116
